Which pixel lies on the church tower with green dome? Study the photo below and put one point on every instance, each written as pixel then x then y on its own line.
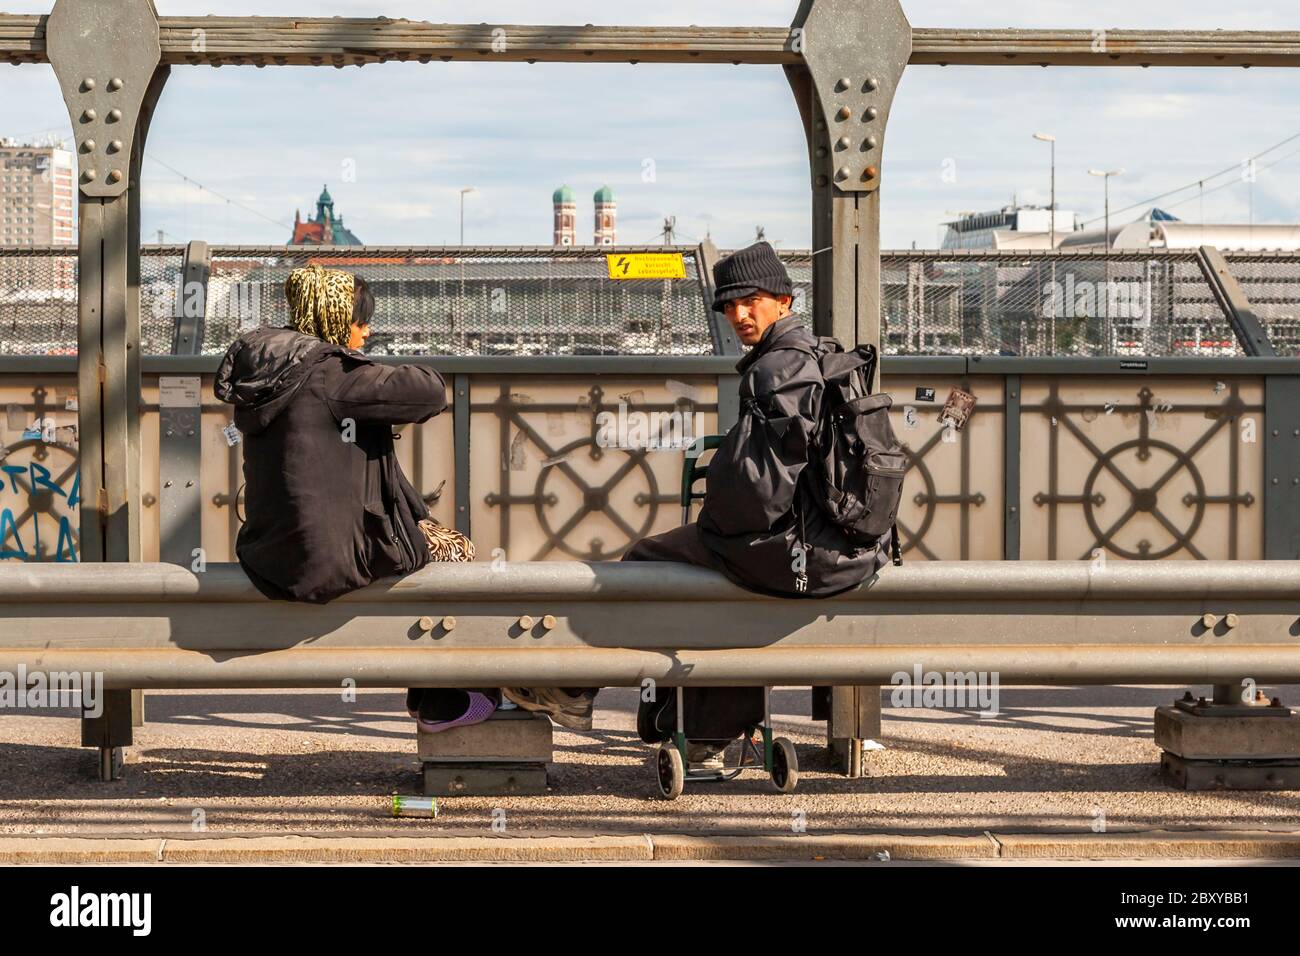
pixel 566 217
pixel 606 217
pixel 325 229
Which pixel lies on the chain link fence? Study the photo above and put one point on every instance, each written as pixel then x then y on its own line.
pixel 1086 304
pixel 546 301
pixel 1271 283
pixel 497 301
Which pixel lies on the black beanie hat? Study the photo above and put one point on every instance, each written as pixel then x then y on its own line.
pixel 755 268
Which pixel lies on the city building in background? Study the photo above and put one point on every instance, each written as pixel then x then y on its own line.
pixel 1158 229
pixel 36 202
pixel 37 209
pixel 1011 227
pixel 324 229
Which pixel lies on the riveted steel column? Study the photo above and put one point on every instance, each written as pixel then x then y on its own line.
pixel 107 57
pixel 854 54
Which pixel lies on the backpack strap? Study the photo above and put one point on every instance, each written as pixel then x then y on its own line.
pixel 896 552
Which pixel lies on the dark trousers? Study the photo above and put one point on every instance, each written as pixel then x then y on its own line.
pixel 709 713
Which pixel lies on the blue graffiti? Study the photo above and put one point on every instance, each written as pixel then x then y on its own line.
pixel 38 478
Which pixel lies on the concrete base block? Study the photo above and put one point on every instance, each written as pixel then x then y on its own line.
pixel 1273 735
pixel 483 779
pixel 505 737
pixel 1229 774
pixel 505 755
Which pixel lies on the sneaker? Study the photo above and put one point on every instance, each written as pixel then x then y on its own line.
pixel 480 709
pixel 706 755
pixel 568 710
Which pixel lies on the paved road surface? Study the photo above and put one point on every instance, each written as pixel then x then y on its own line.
pixel 1054 759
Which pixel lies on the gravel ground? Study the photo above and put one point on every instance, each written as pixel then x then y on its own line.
pixel 1055 759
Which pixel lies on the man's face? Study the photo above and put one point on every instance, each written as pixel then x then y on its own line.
pixel 752 315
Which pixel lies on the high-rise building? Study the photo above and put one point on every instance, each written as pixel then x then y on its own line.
pixel 566 211
pixel 606 217
pixel 36 201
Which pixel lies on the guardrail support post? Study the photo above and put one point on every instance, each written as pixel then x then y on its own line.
pixel 854 718
pixel 107 56
pixel 1240 740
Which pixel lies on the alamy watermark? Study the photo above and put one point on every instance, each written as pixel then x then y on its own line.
pixel 1082 299
pixel 957 690
pixel 53 689
pixel 653 431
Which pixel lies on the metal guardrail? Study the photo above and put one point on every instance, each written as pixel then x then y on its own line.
pixel 160 626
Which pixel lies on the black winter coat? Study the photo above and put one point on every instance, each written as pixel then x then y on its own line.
pixel 324 515
pixel 756 493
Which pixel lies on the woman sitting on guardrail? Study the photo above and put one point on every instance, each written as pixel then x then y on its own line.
pixel 329 509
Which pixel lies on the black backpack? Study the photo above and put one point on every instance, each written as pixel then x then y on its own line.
pixel 857 463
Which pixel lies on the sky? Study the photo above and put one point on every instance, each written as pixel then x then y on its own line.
pixel 234 151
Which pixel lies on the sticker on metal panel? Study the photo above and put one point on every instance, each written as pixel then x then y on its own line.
pixel 178 391
pixel 646 265
pixel 958 408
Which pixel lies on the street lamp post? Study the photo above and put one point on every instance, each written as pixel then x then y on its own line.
pixel 1051 215
pixel 1051 212
pixel 467 189
pixel 1105 175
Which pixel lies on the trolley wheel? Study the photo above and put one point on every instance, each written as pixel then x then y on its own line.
pixel 785 765
pixel 671 770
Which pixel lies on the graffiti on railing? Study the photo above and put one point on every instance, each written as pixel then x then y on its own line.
pixel 37 506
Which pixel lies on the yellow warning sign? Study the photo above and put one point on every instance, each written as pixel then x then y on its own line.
pixel 647 265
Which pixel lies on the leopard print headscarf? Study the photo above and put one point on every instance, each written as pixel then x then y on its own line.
pixel 320 302
pixel 446 544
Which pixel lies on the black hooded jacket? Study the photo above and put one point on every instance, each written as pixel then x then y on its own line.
pixel 757 506
pixel 327 507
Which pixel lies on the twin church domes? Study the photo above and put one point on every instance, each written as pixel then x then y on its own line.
pixel 605 232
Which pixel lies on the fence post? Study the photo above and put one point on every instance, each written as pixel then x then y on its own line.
pixel 1281 466
pixel 188 329
pixel 1011 469
pixel 1232 299
pixel 720 330
pixel 460 440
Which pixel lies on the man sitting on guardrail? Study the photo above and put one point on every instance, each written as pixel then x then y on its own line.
pixel 765 522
